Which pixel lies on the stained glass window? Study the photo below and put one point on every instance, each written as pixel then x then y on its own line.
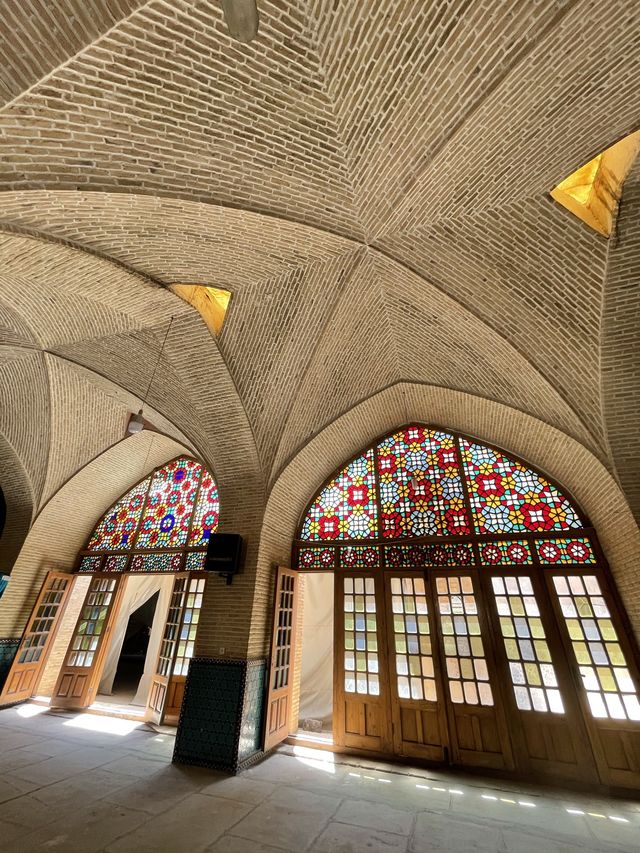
pixel 420 486
pixel 345 508
pixel 117 529
pixel 205 517
pixel 174 508
pixel 506 552
pixel 554 552
pixel 507 497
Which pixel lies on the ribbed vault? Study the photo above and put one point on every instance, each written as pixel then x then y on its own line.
pixel 369 179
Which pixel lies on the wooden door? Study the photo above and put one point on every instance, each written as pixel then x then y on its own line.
pixel 477 723
pixel 548 729
pixel 416 691
pixel 28 664
pixel 79 677
pixel 361 682
pixel 177 649
pixel 280 690
pixel 604 670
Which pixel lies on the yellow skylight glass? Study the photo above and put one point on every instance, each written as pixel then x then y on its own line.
pixel 210 302
pixel 593 191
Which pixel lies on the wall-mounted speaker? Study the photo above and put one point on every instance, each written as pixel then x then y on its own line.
pixel 224 554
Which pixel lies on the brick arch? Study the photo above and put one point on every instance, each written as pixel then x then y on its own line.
pixel 65 523
pixel 19 504
pixel 544 447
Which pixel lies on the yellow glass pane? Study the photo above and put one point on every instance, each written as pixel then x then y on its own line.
pixel 575 631
pixel 542 651
pixel 615 654
pixel 513 652
pixel 582 654
pixel 607 630
pixel 536 627
pixel 606 679
pixel 506 626
pixel 533 674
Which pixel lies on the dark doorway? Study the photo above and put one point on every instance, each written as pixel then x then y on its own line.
pixel 134 650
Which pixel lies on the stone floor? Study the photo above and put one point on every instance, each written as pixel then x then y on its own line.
pixel 80 783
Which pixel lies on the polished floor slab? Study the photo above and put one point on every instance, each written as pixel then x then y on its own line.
pixel 83 783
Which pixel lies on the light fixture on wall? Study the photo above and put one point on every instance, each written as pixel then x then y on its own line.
pixel 136 422
pixel 242 19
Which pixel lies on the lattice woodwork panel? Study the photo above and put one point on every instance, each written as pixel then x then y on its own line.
pixel 415 677
pixel 361 663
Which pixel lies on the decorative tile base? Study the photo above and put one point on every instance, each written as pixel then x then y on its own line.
pixel 8 649
pixel 221 718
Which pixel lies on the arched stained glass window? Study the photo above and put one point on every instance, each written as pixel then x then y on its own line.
pixel 489 575
pixel 423 482
pixel 161 524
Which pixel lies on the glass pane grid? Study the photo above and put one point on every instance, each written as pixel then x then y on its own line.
pixel 532 672
pixel 189 627
pixel 607 681
pixel 284 633
pixel 464 653
pixel 415 678
pixel 43 621
pixel 171 628
pixel 361 662
pixel 92 621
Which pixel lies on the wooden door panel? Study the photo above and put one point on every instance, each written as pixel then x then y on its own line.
pixel 280 691
pixel 33 651
pixel 541 702
pixel 604 671
pixel 81 671
pixel 478 730
pixel 416 695
pixel 361 685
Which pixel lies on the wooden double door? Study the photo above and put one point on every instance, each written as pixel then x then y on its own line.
pixel 423 669
pixel 83 663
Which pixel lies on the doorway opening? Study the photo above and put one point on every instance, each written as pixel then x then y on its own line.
pixel 133 653
pixel 315 710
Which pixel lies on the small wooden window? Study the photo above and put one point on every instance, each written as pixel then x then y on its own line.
pixel 284 633
pixel 172 627
pixel 602 663
pixel 361 664
pixel 532 672
pixel 464 653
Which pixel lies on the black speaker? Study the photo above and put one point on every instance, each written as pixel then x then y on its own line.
pixel 224 554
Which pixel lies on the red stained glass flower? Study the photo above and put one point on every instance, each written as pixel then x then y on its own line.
pixel 578 551
pixel 456 521
pixel 446 457
pixel 392 525
pixel 420 490
pixel 490 484
pixel 329 527
pixel 537 516
pixel 492 554
pixel 517 553
pixel 550 552
pixel 387 463
pixel 357 495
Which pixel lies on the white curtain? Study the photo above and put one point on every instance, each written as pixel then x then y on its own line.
pixel 316 674
pixel 139 589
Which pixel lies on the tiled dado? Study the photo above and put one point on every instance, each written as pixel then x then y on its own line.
pixel 8 649
pixel 221 718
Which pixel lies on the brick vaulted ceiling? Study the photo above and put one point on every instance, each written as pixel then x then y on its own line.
pixel 370 179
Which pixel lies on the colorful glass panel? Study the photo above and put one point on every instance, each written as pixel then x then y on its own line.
pixel 346 508
pixel 195 561
pixel 90 564
pixel 359 557
pixel 117 529
pixel 421 491
pixel 425 556
pixel 607 681
pixel 532 672
pixel 322 559
pixel 169 507
pixel 554 552
pixel 507 552
pixel 160 562
pixel 206 513
pixel 507 497
pixel 116 562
